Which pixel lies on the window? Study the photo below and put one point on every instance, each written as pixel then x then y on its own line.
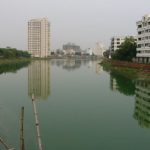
pixel 140 26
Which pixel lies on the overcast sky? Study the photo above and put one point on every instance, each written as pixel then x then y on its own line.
pixel 83 22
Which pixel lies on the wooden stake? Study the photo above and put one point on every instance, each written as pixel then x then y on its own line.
pixel 22 145
pixel 5 145
pixel 37 123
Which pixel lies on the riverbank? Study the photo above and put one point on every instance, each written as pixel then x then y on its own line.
pixel 128 69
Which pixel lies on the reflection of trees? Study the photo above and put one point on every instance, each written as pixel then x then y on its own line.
pixel 142 103
pixel 121 83
pixel 39 79
pixel 13 67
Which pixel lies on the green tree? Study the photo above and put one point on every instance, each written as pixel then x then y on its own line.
pixel 13 53
pixel 127 50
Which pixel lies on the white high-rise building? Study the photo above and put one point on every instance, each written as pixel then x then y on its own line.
pixel 39 37
pixel 143 43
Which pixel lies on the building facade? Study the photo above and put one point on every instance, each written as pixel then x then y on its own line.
pixel 99 49
pixel 143 42
pixel 117 41
pixel 71 48
pixel 39 37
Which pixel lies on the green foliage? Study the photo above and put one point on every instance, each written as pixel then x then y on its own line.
pixel 13 66
pixel 127 50
pixel 106 53
pixel 123 84
pixel 13 53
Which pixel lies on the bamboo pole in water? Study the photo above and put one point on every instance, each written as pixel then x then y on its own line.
pixel 5 145
pixel 22 145
pixel 37 123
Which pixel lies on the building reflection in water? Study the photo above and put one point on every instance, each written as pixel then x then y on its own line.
pixel 142 103
pixel 67 64
pixel 96 67
pixel 73 64
pixel 39 79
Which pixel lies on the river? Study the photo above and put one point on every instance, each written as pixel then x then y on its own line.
pixel 80 104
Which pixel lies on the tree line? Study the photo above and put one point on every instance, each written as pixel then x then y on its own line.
pixel 13 53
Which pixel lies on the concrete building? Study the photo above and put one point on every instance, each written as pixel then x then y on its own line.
pixel 99 49
pixel 117 41
pixel 89 51
pixel 71 47
pixel 143 43
pixel 39 79
pixel 39 37
pixel 69 52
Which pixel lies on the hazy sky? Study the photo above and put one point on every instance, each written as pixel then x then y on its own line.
pixel 83 22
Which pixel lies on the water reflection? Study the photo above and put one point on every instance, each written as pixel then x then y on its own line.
pixel 13 66
pixel 142 103
pixel 67 64
pixel 122 84
pixel 96 67
pixel 140 88
pixel 73 64
pixel 39 79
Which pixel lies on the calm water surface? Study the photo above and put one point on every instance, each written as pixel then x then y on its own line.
pixel 81 106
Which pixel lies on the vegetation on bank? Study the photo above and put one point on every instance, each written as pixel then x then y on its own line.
pixel 122 61
pixel 12 53
pixel 12 59
pixel 127 69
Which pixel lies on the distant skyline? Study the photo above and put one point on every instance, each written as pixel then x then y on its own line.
pixel 83 22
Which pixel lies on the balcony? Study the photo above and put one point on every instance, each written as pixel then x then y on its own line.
pixel 143 55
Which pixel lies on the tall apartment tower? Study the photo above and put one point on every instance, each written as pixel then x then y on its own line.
pixel 143 43
pixel 39 37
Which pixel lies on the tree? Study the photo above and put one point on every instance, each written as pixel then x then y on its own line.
pixel 13 53
pixel 106 53
pixel 127 50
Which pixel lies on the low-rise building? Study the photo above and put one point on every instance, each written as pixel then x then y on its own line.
pixel 72 48
pixel 116 42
